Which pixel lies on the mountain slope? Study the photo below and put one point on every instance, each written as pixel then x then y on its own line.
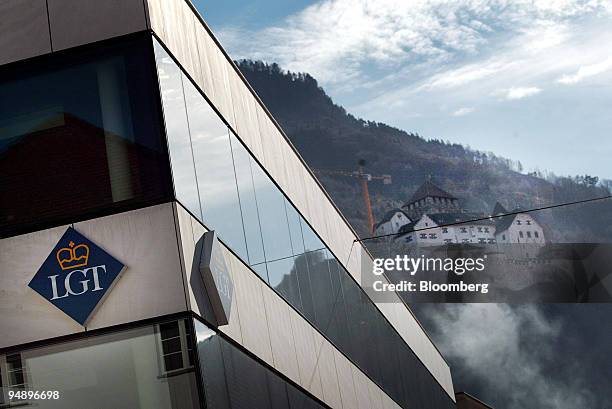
pixel 330 139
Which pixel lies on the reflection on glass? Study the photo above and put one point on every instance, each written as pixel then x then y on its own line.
pixel 79 132
pixel 284 279
pixel 248 204
pixel 261 271
pixel 295 229
pixel 311 240
pixel 177 132
pixel 272 216
pixel 233 380
pixel 215 171
pixel 123 370
pixel 303 274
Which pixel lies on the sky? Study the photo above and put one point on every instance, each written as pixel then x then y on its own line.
pixel 530 80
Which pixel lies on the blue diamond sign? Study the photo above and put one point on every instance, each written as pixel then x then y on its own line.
pixel 76 276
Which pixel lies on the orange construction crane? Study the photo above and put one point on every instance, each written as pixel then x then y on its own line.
pixel 364 178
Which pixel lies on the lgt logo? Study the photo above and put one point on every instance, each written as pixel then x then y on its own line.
pixel 76 276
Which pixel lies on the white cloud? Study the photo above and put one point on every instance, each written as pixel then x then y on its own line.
pixel 338 40
pixel 587 71
pixel 463 111
pixel 506 349
pixel 521 92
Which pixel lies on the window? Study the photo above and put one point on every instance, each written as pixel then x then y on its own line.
pixel 409 238
pixel 444 230
pixel 12 376
pixel 423 235
pixel 536 234
pixel 486 229
pixel 482 240
pixel 217 185
pixel 448 241
pixel 491 241
pixel 529 234
pixel 521 234
pixel 518 222
pixel 433 236
pixel 120 370
pixel 528 222
pixel 463 230
pixel 480 230
pixel 80 133
pixel 177 132
pixel 465 240
pixel 176 346
pixel 503 237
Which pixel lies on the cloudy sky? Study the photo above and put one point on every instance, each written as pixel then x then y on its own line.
pixel 527 79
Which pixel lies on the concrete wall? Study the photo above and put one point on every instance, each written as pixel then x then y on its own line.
pixel 33 27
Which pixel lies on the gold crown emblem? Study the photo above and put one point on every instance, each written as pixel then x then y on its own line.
pixel 73 256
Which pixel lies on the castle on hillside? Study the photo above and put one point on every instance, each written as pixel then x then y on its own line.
pixel 433 217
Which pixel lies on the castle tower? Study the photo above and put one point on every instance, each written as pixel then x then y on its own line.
pixel 429 198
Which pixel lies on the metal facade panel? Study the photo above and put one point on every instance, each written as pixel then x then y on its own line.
pixel 78 22
pixel 362 389
pixel 327 370
pixel 281 335
pixel 303 333
pixel 251 308
pixel 24 30
pixel 345 380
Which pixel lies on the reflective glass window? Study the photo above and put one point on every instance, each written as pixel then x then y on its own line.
pixel 80 133
pixel 311 240
pixel 295 229
pixel 272 216
pixel 122 370
pixel 284 279
pixel 177 131
pixel 212 152
pixel 248 203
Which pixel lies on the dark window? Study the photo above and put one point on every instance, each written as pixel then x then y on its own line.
pixel 444 230
pixel 529 234
pixel 536 234
pixel 521 234
pixel 463 230
pixel 79 133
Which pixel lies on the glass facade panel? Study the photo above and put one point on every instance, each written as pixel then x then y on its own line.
pixel 272 216
pixel 248 203
pixel 79 134
pixel 177 132
pixel 123 370
pixel 284 279
pixel 210 139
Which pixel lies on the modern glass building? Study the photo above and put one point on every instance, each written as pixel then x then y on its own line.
pixel 126 134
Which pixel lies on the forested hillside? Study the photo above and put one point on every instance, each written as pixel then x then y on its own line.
pixel 331 139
